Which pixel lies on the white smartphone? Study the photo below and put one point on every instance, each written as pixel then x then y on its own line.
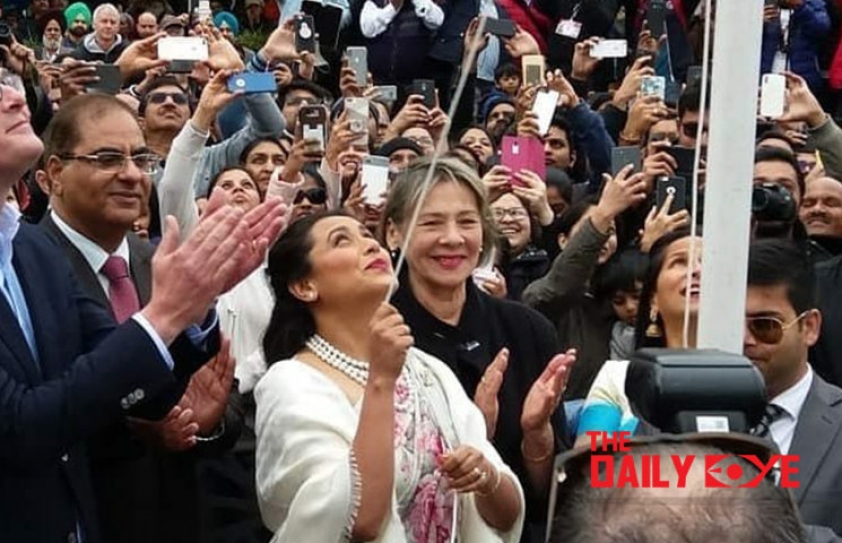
pixel 357 109
pixel 772 95
pixel 183 48
pixel 358 60
pixel 375 179
pixel 610 49
pixel 544 106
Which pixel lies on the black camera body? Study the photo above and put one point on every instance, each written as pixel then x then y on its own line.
pixel 771 202
pixel 5 34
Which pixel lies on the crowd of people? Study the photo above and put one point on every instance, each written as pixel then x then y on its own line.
pixel 374 301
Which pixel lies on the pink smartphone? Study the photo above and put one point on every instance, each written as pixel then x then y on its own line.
pixel 523 154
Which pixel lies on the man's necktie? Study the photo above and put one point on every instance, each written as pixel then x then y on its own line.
pixel 121 292
pixel 770 414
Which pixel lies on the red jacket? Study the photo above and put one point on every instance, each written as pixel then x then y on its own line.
pixel 530 18
pixel 835 71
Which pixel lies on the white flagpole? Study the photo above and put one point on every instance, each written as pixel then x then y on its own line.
pixel 730 164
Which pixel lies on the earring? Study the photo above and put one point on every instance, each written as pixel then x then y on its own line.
pixel 653 330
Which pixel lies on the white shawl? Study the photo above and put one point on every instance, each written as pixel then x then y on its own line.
pixel 305 428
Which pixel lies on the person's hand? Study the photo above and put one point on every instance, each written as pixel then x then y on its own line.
pixel 389 342
pixel 528 126
pixel 48 75
pixel 355 203
pixel 645 112
pixel 497 181
pixel 583 63
pixel 139 56
pixel 619 194
pixel 307 65
pixel 771 14
pixel 801 103
pixel 214 98
pixel 283 75
pixel 207 393
pixel 557 82
pixel 495 286
pixel 631 83
pixel 149 76
pixel 340 140
pixel 485 396
pixel 545 393
pixel 413 113
pixel 281 43
pixel 348 82
pixel 524 99
pixel 467 470
pixel 468 42
pixel 436 121
pixel 533 191
pixel 659 222
pixel 659 164
pixel 75 77
pixel 175 432
pixel 301 152
pixel 522 43
pixel 17 56
pixel 646 44
pixel 222 55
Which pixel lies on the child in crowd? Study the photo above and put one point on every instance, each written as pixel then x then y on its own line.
pixel 620 281
pixel 507 79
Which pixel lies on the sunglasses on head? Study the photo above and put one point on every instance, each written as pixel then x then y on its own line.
pixel 178 98
pixel 770 330
pixel 316 196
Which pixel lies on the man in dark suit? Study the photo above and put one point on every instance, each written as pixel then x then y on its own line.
pixel 144 492
pixel 805 414
pixel 66 370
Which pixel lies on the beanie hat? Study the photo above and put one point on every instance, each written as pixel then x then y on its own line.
pixel 396 144
pixel 73 12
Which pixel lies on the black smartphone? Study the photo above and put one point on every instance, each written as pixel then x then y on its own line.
pixel 685 158
pixel 305 34
pixel 425 88
pixel 656 18
pixel 623 156
pixel 110 80
pixel 672 93
pixel 327 20
pixel 694 74
pixel 500 27
pixel 180 66
pixel 677 187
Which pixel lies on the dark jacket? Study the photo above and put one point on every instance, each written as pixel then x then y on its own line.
pixel 394 56
pixel 583 322
pixel 808 27
pixel 488 324
pixel 826 355
pixel 530 265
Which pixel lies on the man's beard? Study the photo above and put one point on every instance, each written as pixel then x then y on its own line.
pixel 78 31
pixel 51 44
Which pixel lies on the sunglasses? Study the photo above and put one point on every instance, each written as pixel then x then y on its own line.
pixel 316 196
pixel 178 98
pixel 691 129
pixel 770 330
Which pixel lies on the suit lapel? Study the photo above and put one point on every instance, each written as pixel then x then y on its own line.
pixel 817 424
pixel 29 274
pixel 140 255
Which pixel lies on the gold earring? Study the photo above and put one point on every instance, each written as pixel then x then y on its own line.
pixel 653 330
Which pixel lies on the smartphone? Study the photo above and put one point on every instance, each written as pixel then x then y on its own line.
pixel 313 123
pixel 499 27
pixel 694 73
pixel 485 272
pixel 672 93
pixel 305 34
pixel 772 3
pixel 610 49
pixel 656 18
pixel 677 187
pixel 327 20
pixel 653 85
pixel 523 154
pixel 387 93
pixel 358 61
pixel 253 83
pixel 533 69
pixel 357 114
pixel 425 88
pixel 685 159
pixel 110 80
pixel 183 48
pixel 544 106
pixel 623 156
pixel 375 178
pixel 772 95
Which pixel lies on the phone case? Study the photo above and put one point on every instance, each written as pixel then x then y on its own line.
pixel 305 34
pixel 358 61
pixel 313 120
pixel 499 27
pixel 110 80
pixel 375 177
pixel 623 156
pixel 656 18
pixel 427 89
pixel 773 95
pixel 653 85
pixel 677 186
pixel 533 69
pixel 357 114
pixel 523 154
pixel 685 158
pixel 253 83
pixel 544 106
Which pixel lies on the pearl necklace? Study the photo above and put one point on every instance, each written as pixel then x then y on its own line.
pixel 333 357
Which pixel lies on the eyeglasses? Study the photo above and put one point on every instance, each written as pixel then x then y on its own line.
pixel 691 130
pixel 178 98
pixel 513 212
pixel 316 196
pixel 107 162
pixel 12 81
pixel 664 136
pixel 770 330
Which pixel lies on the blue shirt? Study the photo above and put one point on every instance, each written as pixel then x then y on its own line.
pixel 9 283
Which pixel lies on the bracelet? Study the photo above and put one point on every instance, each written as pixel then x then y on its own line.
pixel 496 485
pixel 627 139
pixel 533 459
pixel 220 429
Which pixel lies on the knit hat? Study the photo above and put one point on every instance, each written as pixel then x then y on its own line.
pixel 396 144
pixel 228 19
pixel 74 11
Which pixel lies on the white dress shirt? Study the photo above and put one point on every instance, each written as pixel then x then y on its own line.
pixel 791 401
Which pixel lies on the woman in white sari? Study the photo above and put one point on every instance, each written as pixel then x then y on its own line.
pixel 387 450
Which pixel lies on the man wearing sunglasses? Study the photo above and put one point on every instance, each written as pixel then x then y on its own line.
pixel 805 413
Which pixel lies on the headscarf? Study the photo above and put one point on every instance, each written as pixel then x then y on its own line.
pixel 228 19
